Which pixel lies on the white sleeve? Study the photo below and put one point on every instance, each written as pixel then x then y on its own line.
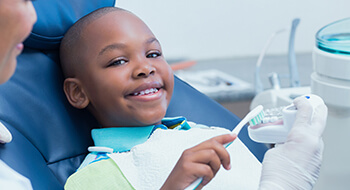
pixel 10 179
pixel 5 135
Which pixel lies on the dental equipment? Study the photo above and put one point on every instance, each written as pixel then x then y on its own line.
pixel 274 80
pixel 331 59
pixel 293 69
pixel 331 81
pixel 277 122
pixel 294 77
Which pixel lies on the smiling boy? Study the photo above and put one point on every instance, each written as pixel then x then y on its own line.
pixel 114 67
pixel 133 88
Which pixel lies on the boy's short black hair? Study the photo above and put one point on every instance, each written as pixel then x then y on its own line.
pixel 69 57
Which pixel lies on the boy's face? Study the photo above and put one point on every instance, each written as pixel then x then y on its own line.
pixel 123 73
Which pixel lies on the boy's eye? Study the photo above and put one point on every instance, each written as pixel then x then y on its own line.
pixel 153 55
pixel 117 62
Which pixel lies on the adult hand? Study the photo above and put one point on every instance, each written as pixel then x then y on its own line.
pixel 296 163
pixel 203 160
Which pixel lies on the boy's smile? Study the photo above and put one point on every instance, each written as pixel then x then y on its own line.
pixel 147 92
pixel 123 72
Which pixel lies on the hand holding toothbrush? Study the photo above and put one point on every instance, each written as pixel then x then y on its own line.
pixel 296 163
pixel 202 161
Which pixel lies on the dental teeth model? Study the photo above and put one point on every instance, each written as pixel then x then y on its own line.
pixel 277 122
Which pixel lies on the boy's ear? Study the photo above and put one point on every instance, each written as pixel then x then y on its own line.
pixel 75 94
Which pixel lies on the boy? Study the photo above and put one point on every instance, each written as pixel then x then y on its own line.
pixel 114 67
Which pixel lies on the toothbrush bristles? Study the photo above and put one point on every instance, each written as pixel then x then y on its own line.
pixel 257 119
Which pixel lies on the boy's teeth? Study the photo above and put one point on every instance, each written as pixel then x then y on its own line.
pixel 145 92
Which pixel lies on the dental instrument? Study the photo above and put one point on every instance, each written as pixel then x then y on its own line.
pixel 274 81
pixel 293 70
pixel 254 117
pixel 259 87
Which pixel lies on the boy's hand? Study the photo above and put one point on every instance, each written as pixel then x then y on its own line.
pixel 203 160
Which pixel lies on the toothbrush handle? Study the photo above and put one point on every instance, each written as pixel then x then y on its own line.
pixel 194 184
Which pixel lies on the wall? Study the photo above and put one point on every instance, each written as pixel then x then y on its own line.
pixel 202 29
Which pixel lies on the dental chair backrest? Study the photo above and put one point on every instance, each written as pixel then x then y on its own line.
pixel 50 138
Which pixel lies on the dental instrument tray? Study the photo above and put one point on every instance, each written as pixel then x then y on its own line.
pixel 217 85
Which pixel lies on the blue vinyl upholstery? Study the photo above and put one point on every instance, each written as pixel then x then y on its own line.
pixel 50 138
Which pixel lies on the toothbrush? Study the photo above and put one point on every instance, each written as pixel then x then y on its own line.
pixel 254 117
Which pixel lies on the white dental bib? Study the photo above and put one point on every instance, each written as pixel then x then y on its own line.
pixel 147 166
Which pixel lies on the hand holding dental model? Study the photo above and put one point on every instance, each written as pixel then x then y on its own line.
pixel 296 163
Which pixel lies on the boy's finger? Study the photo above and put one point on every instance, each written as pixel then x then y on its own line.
pixel 216 144
pixel 221 139
pixel 208 157
pixel 221 150
pixel 204 171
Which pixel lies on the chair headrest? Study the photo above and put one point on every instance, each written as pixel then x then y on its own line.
pixel 55 17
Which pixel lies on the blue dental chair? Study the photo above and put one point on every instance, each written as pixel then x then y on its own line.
pixel 50 138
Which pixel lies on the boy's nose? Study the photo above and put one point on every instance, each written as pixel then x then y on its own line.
pixel 144 70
